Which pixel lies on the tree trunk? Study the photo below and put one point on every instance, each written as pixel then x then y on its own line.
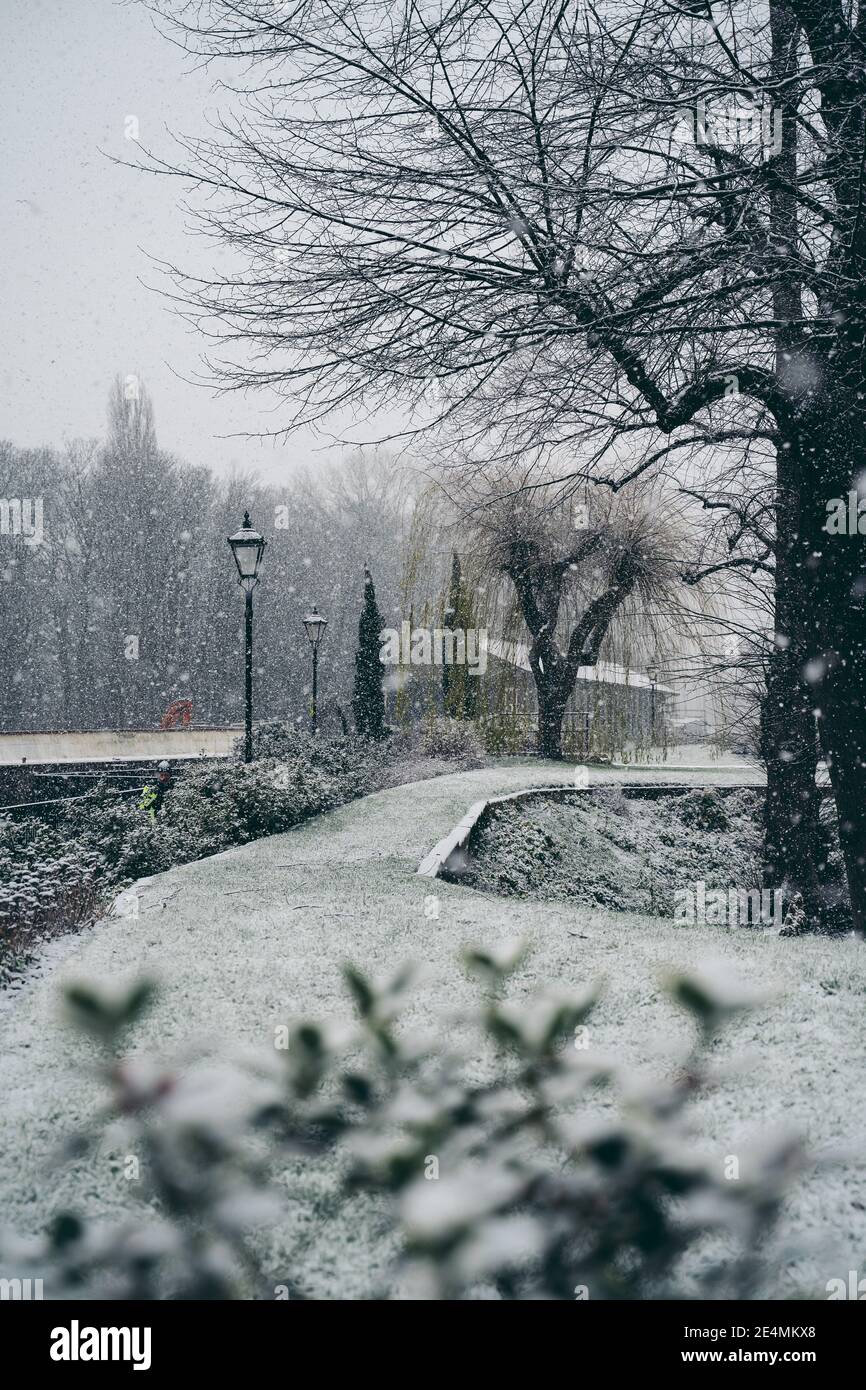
pixel 551 709
pixel 794 858
pixel 789 740
pixel 842 727
pixel 794 852
pixel 830 635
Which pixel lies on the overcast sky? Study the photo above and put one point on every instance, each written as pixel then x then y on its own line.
pixel 79 230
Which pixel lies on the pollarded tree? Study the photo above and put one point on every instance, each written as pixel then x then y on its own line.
pixel 368 700
pixel 576 571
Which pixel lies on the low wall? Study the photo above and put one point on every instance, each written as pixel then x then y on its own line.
pixel 116 745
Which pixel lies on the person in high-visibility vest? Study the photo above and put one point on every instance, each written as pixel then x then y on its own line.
pixel 163 784
pixel 152 797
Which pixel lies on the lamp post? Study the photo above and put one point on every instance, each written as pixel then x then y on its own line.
pixel 247 547
pixel 315 626
pixel 653 675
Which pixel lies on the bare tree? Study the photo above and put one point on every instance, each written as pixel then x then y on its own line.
pixel 543 220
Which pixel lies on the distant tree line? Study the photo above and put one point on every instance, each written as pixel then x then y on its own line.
pixel 130 601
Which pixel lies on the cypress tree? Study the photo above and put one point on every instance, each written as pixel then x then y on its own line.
pixel 459 688
pixel 368 700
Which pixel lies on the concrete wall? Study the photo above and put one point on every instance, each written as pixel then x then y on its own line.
pixel 108 745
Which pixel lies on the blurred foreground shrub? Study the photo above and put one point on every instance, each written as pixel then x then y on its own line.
pixel 522 1185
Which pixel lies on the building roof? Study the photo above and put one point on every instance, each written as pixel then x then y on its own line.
pixel 603 673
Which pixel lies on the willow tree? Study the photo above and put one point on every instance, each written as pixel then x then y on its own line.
pixel 575 572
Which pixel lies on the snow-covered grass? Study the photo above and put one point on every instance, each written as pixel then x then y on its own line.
pixel 255 937
pixel 615 850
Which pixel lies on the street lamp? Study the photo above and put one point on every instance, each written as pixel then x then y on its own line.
pixel 247 547
pixel 315 625
pixel 653 674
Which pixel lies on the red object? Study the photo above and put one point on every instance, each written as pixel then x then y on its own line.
pixel 178 715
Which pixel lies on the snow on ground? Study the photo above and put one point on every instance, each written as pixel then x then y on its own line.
pixel 255 937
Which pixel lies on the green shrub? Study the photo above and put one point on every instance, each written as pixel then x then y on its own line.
pixel 344 758
pixel 48 883
pixel 454 739
pixel 42 873
pixel 703 808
